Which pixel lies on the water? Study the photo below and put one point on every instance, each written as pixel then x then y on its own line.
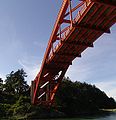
pixel 107 117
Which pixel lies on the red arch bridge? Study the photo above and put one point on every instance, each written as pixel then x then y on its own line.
pixel 78 25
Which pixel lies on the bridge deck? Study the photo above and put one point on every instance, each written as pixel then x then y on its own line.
pixel 84 32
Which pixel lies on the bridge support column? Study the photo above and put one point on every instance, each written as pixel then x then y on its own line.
pixel 32 90
pixel 48 92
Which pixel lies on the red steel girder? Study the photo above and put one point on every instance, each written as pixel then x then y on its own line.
pixel 73 40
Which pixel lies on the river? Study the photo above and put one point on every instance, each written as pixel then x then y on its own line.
pixel 107 117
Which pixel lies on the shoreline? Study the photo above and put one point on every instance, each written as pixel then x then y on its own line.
pixel 86 115
pixel 101 113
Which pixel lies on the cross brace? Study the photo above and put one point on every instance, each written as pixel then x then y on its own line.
pixel 80 43
pixel 63 62
pixel 54 68
pixel 93 28
pixel 107 2
pixel 69 54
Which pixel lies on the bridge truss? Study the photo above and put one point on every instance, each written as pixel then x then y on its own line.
pixel 78 25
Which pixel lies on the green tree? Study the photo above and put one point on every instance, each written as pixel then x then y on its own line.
pixel 22 106
pixel 75 98
pixel 15 83
pixel 1 90
pixel 1 85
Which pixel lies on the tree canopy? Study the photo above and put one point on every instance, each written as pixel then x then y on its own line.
pixel 72 99
pixel 75 97
pixel 15 82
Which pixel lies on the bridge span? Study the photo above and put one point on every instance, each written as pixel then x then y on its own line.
pixel 78 25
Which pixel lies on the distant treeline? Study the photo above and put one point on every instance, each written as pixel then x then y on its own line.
pixel 72 99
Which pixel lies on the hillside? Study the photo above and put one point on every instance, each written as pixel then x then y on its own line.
pixel 72 99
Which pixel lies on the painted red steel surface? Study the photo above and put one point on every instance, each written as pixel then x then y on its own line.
pixel 80 31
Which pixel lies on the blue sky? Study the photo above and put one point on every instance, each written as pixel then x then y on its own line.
pixel 25 28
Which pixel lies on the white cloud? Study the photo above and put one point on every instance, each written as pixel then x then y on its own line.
pixel 109 87
pixel 30 68
pixel 2 76
pixel 79 71
pixel 96 65
pixel 112 93
pixel 40 45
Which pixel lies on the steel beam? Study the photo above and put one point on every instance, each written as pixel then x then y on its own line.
pixel 69 54
pixel 87 27
pixel 106 3
pixel 42 93
pixel 63 62
pixel 75 43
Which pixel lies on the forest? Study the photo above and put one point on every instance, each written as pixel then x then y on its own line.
pixel 72 99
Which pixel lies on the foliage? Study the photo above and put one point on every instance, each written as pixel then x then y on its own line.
pixel 1 89
pixel 22 106
pixel 3 109
pixel 14 97
pixel 15 82
pixel 1 85
pixel 72 98
pixel 77 98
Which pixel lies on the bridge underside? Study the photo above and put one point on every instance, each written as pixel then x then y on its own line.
pixel 76 29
